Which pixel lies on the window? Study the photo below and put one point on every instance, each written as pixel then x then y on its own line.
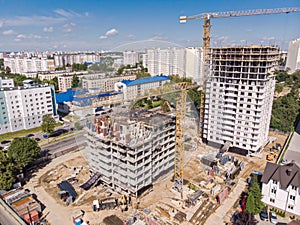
pixel 274 181
pixel 272 200
pixel 294 187
pixel 292 197
pixel 291 207
pixel 273 191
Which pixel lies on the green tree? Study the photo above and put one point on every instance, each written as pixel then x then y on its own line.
pixel 7 169
pixel 250 205
pixel 142 75
pixel 78 126
pixel 23 151
pixel 53 81
pixel 79 67
pixel 255 204
pixel 48 124
pixel 2 64
pixel 75 81
pixel 7 70
pixel 245 218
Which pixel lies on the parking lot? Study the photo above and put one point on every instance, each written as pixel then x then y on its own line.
pixel 280 220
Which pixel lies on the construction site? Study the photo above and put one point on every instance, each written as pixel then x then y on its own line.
pixel 150 166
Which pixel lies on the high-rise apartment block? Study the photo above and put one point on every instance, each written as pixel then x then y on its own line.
pixel 24 107
pixel 130 58
pixel 293 57
pixel 29 65
pixel 239 96
pixel 131 151
pixel 186 62
pixel 62 59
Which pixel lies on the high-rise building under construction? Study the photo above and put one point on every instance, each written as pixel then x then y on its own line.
pixel 131 151
pixel 239 96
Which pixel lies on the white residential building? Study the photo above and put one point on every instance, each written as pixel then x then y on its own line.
pixel 139 87
pixel 28 65
pixel 186 62
pixel 293 56
pixel 6 82
pixel 23 107
pixel 62 59
pixel 239 97
pixel 130 58
pixel 281 187
pixel 104 82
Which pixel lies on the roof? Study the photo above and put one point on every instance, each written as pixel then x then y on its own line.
pixel 113 220
pixel 146 80
pixel 288 174
pixel 67 96
pixel 66 186
pixel 80 97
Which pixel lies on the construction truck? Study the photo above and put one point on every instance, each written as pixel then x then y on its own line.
pixel 271 156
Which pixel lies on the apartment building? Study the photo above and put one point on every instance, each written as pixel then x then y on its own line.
pixel 293 56
pixel 28 65
pixel 53 74
pixel 131 152
pixel 104 82
pixel 139 87
pixel 239 96
pixel 6 82
pixel 62 59
pixel 186 62
pixel 23 107
pixel 281 187
pixel 131 58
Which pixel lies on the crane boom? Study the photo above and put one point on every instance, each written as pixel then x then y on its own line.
pixel 251 12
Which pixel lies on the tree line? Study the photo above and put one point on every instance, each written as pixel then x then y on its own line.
pixel 286 108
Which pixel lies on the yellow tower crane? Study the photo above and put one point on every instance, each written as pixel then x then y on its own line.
pixel 206 41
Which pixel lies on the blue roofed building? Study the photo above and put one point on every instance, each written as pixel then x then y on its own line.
pixel 139 87
pixel 83 102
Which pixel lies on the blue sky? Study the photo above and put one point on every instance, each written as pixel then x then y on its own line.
pixel 66 25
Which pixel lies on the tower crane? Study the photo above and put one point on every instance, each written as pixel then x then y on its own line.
pixel 206 40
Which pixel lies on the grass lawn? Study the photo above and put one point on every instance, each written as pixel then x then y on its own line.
pixel 22 133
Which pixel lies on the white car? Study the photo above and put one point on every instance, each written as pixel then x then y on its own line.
pixel 273 217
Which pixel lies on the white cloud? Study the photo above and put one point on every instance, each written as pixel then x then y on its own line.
pixel 103 37
pixel 66 13
pixel 48 29
pixel 131 37
pixel 158 36
pixel 86 13
pixel 1 24
pixel 68 27
pixel 17 39
pixel 111 32
pixel 34 20
pixel 19 36
pixel 8 32
pixel 30 36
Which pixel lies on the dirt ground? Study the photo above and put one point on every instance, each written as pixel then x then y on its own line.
pixel 162 193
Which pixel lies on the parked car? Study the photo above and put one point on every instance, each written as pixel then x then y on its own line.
pixel 273 217
pixel 264 214
pixel 37 139
pixel 5 142
pixel 29 135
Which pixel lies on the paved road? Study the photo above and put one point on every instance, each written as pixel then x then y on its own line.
pixel 6 218
pixel 293 151
pixel 65 143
